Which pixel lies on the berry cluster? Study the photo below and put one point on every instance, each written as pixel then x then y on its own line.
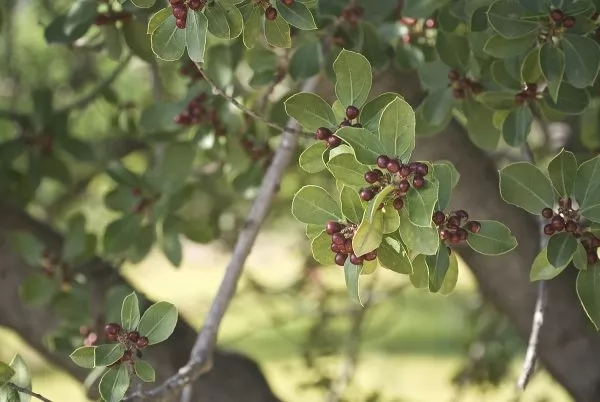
pixel 400 175
pixel 257 150
pixel 455 227
pixel 270 11
pixel 417 28
pixel 560 19
pixel 353 13
pixel 341 244
pixel 325 134
pixel 44 144
pixel 112 18
pixel 564 220
pixel 461 85
pixel 145 201
pixel 180 10
pixel 190 70
pixel 529 93
pixel 132 340
pixel 197 111
pixel 591 244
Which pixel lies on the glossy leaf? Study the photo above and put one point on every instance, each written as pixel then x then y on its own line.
pixel 437 266
pixel 314 205
pixel 570 100
pixel 420 276
pixel 418 239
pixel 114 383
pixel 451 277
pixel 552 63
pixel 587 189
pixel 144 371
pixel 542 270
pixel 311 159
pixel 494 238
pixel 196 30
pixel 437 106
pixel 391 219
pixel 562 171
pixel 6 373
pixel 582 59
pixel 277 33
pixel 158 322
pixel 420 203
pixel 366 145
pixel 118 234
pixel 108 354
pixel 321 249
pixel 506 18
pixel 517 125
pixel 168 42
pixel 392 255
pixel 588 291
pixel 346 169
pixel 526 186
pixel 561 247
pixel 84 356
pixel 252 27
pixel 447 177
pixel 130 312
pixel 368 235
pixel 311 111
pixel 353 78
pixel 397 129
pixel 373 205
pixel 501 47
pixel 352 206
pixel 580 257
pixel 352 278
pixel 297 14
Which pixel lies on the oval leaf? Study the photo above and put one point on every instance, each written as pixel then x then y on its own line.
pixel 311 111
pixel 314 205
pixel 561 247
pixel 144 371
pixel 562 171
pixel 84 356
pixel 130 312
pixel 158 322
pixel 492 239
pixel 114 383
pixel 353 78
pixel 524 185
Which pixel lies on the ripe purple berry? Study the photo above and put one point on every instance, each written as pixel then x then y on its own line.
pixel 418 182
pixel 422 169
pixel 356 260
pixel 474 226
pixel 393 166
pixel 438 218
pixel 367 194
pixel 549 230
pixel 398 203
pixel 340 259
pixel 403 186
pixel 142 342
pixel 338 238
pixel 332 227
pixel 271 13
pixel 558 223
pixel 334 141
pixel 352 112
pixel 382 161
pixel 371 177
pixel 547 213
pixel 322 133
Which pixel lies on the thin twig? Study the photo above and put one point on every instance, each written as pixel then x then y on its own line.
pixel 28 392
pixel 201 356
pixel 540 305
pixel 246 110
pixel 89 98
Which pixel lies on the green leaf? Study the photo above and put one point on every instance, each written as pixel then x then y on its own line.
pixel 570 100
pixel 492 239
pixel 158 18
pixel 75 239
pixel 451 277
pixel 368 235
pixel 437 266
pixel 526 186
pixel 114 383
pixel 297 14
pixel 306 60
pixel 217 22
pixel 580 257
pixel 352 206
pixel 158 322
pixel 370 115
pixel 311 111
pixel 82 12
pixel 397 129
pixel 175 166
pixel 542 270
pixel 352 278
pixel 168 41
pixel 497 100
pixel 391 219
pixel 437 106
pixel 506 18
pixel 418 239
pixel 366 145
pixel 29 247
pixel 561 247
pixel 84 356
pixel 144 371
pixel 552 63
pixel 587 189
pixel 503 78
pixel 353 78
pixel 143 3
pixel 346 169
pixel 420 203
pixel 420 276
pixel 480 127
pixel 531 71
pixel 137 40
pixel 118 234
pixel 499 46
pixel 517 125
pixel 277 33
pixel 311 159
pixel 434 75
pixel 453 50
pixel 373 205
pixel 130 312
pixel 21 377
pixel 234 20
pixel 320 247
pixel 6 373
pixel 252 27
pixel 588 290
pixel 582 59
pixel 447 177
pixel 312 231
pixel 393 256
pixel 313 204
pixel 37 290
pixel 196 30
pixel 108 354
pixel 562 171
pixel 112 41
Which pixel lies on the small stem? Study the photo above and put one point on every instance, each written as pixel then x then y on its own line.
pixel 28 392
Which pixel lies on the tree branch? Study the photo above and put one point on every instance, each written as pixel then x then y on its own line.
pixel 540 305
pixel 201 355
pixel 245 109
pixel 28 392
pixel 89 98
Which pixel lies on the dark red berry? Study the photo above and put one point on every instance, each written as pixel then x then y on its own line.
pixel 338 238
pixel 569 22
pixel 547 213
pixel 558 223
pixel 136 191
pixel 337 248
pixel 348 246
pixel 332 227
pixel 112 337
pixel 112 329
pixel 565 202
pixel 340 259
pixel 367 194
pixel 462 234
pixel 571 226
pixel 454 238
pixel 133 336
pixel 371 177
pixel 142 342
pixel 271 13
pixel 356 260
pixel 382 161
pixel 196 4
pixel 444 234
pixel 393 166
pixel 476 88
pixel 287 2
pixel 422 169
pixel 462 214
pixel 370 256
pixel 404 171
pixel 126 356
pixel 474 226
pixel 557 15
pixel 180 23
pixel 458 93
pixel 595 242
pixel 345 123
pixel 334 141
pixel 179 11
pixel 520 98
pixel 549 230
pixel 438 218
pixel 322 133
pixel 453 75
pixel 413 166
pixel 175 2
pixel 403 186
pixel 398 203
pixel 592 257
pixel 453 221
pixel 352 112
pixel 418 182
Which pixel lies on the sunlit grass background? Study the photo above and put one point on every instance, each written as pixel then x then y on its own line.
pixel 412 348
